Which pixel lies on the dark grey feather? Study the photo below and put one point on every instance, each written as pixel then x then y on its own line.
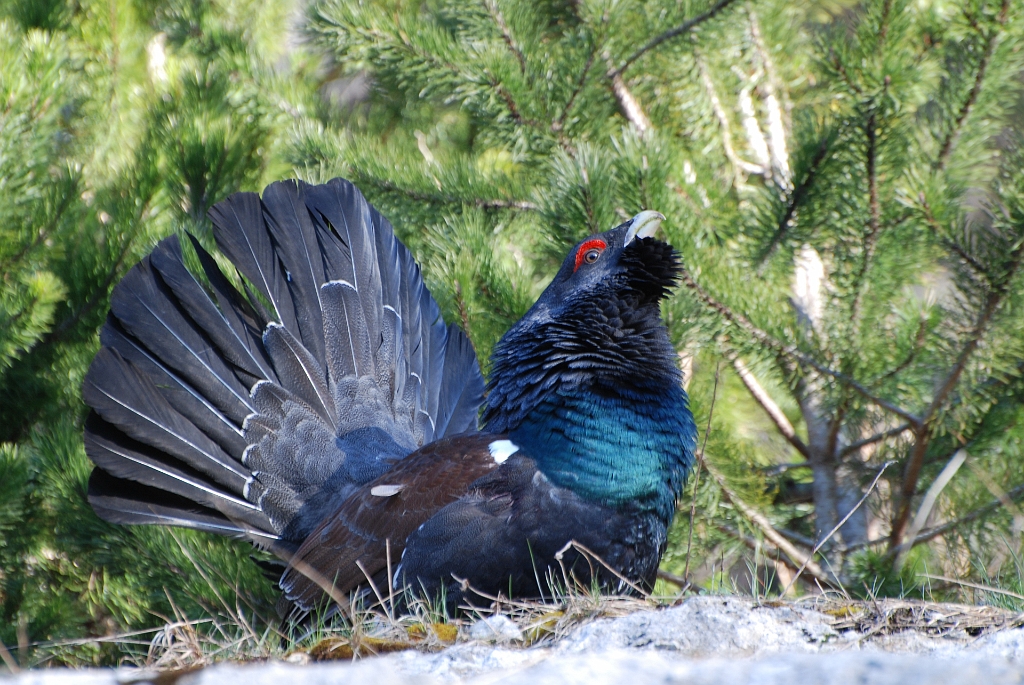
pixel 242 236
pixel 296 245
pixel 147 309
pixel 183 397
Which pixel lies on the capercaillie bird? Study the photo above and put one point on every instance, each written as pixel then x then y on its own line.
pixel 324 411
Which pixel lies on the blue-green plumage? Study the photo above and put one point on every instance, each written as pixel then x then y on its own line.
pixel 614 450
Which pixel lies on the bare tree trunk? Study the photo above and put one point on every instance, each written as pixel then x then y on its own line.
pixel 822 461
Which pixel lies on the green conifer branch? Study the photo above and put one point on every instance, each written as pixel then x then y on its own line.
pixel 972 97
pixel 924 430
pixel 669 35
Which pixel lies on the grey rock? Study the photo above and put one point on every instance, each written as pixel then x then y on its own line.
pixel 709 626
pixel 495 629
pixel 703 641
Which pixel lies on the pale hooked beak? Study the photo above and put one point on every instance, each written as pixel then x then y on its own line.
pixel 643 225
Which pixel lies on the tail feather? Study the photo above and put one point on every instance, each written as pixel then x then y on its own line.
pixel 185 399
pixel 126 502
pixel 244 239
pixel 213 412
pixel 460 388
pixel 347 331
pixel 166 260
pixel 297 247
pixel 130 400
pixel 243 319
pixel 128 459
pixel 147 309
pixel 299 372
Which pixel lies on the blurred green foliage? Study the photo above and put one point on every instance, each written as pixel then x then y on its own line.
pixel 876 145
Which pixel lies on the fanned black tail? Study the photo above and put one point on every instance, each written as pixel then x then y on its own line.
pixel 255 414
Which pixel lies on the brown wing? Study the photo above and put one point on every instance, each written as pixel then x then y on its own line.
pixel 383 513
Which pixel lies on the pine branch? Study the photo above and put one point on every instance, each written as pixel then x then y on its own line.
pixel 43 233
pixel 776 538
pixel 979 77
pixel 877 437
pixel 912 472
pixel 433 198
pixel 919 339
pixel 559 123
pixel 937 531
pixel 669 35
pixel 874 219
pixel 790 351
pixel 499 20
pixel 762 397
pixel 755 545
pixel 843 74
pixel 510 102
pixel 738 165
pixel 775 84
pixel 627 103
pixel 795 199
pixel 952 245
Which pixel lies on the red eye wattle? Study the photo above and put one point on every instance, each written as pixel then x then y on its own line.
pixel 589 252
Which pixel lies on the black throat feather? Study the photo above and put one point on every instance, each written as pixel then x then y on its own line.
pixel 605 339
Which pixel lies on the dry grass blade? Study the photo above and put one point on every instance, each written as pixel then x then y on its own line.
pixel 976 586
pixel 889 616
pixel 696 479
pixel 837 527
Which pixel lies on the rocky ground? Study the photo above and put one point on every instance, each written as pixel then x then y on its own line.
pixel 703 640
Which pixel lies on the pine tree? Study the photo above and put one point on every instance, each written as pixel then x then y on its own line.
pixel 122 122
pixel 843 182
pixel 845 190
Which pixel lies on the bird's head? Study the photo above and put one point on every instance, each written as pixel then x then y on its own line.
pixel 597 324
pixel 625 263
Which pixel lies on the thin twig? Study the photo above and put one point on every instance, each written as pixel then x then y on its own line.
pixel 758 519
pixel 790 351
pixel 682 583
pixel 696 477
pixel 769 405
pixel 581 548
pixel 670 34
pixel 838 526
pixel 877 437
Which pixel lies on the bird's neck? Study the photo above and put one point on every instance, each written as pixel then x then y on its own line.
pixel 622 451
pixel 600 408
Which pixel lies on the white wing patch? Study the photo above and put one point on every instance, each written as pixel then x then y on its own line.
pixel 502 450
pixel 386 490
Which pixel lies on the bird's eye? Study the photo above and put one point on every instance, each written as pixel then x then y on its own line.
pixel 589 252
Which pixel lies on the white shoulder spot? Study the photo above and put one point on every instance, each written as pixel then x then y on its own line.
pixel 386 490
pixel 502 449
